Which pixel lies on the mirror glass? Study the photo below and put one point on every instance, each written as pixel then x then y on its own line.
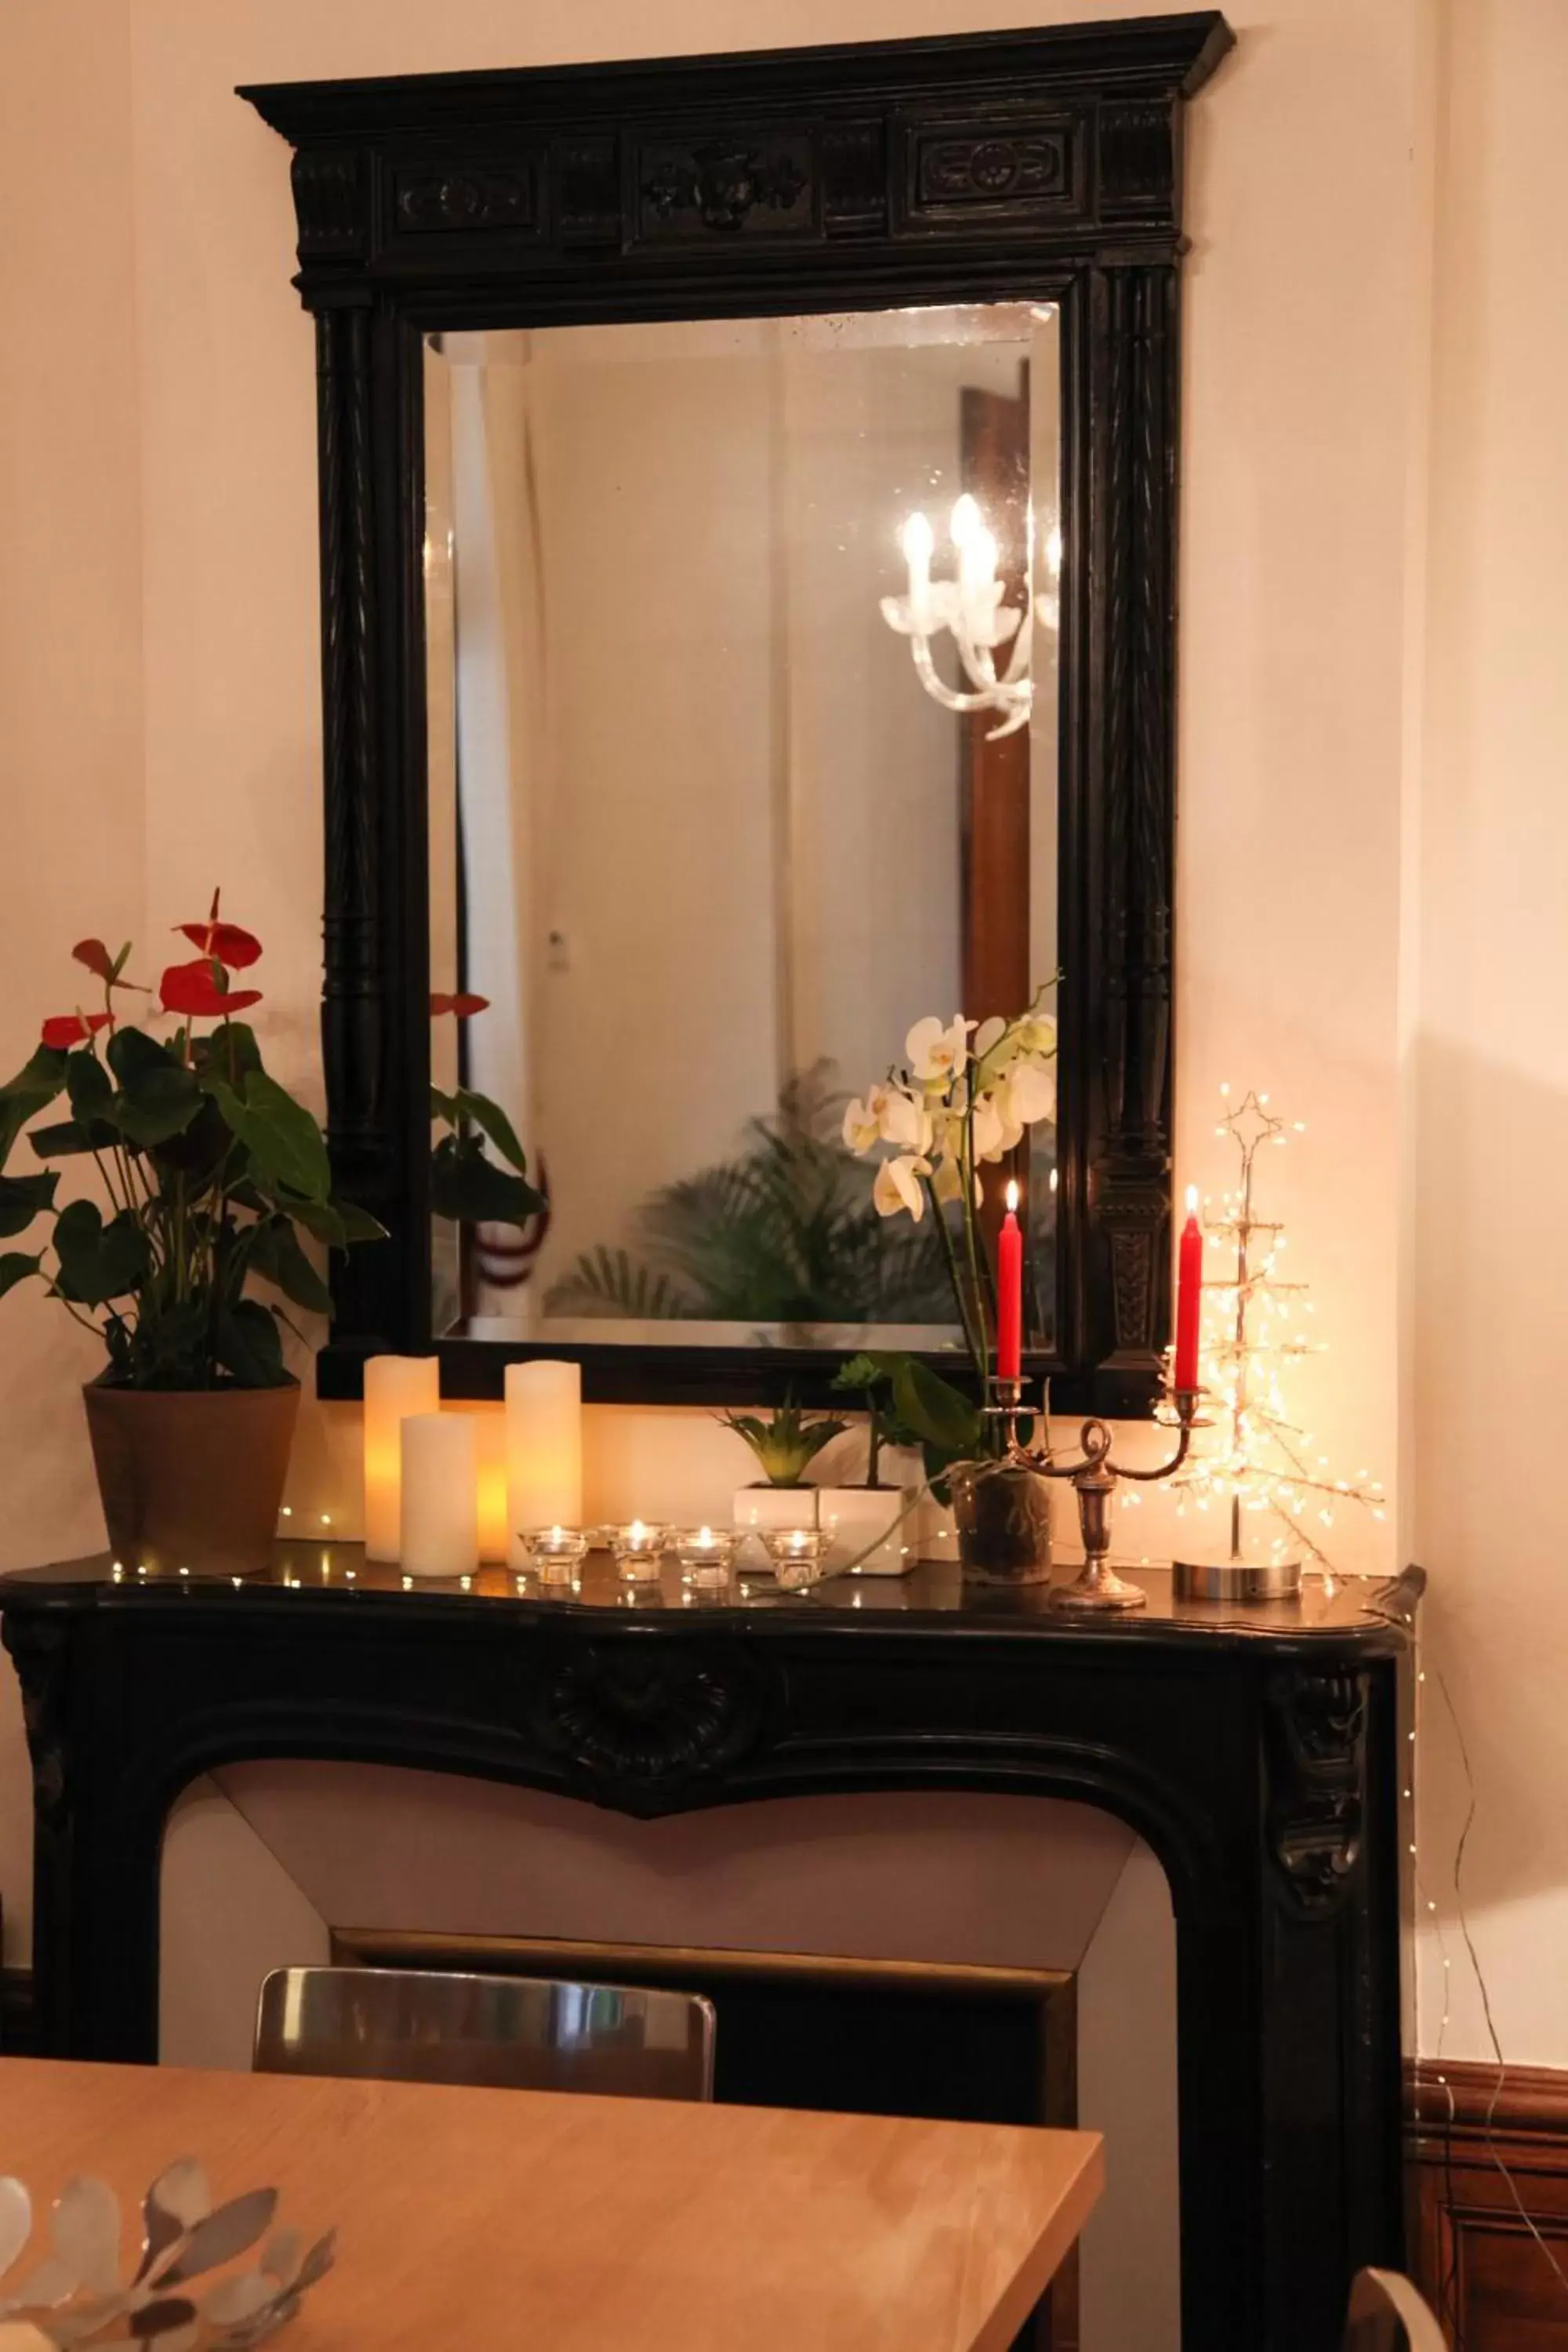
pixel 705 827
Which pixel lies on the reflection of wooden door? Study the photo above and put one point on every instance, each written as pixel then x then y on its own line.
pixel 993 785
pixel 994 777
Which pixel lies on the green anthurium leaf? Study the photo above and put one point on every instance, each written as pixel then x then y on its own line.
pixel 322 1220
pixel 494 1123
pixel 276 1255
pixel 35 1086
pixel 471 1190
pixel 89 1085
pixel 15 1266
pixel 68 1137
pixel 198 1151
pixel 98 1261
pixel 358 1223
pixel 229 1052
pixel 934 1409
pixel 23 1198
pixel 284 1141
pixel 246 1343
pixel 131 1053
pixel 443 1106
pixel 158 1101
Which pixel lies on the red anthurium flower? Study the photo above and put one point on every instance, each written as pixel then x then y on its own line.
pixel 67 1029
pixel 226 941
pixel 96 956
pixel 193 988
pixel 462 1005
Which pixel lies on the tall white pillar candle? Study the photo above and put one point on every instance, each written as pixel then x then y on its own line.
pixel 440 1496
pixel 394 1386
pixel 543 1449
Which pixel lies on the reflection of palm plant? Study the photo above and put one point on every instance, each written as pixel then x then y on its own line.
pixel 785 1445
pixel 787 1233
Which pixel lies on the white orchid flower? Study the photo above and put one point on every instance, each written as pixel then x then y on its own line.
pixel 948 1181
pixel 937 1053
pixel 1032 1091
pixel 989 1033
pixel 904 1121
pixel 1036 1033
pixel 897 1186
pixel 862 1122
pixel 989 1130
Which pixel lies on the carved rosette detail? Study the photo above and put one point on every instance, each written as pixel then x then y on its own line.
pixel 724 182
pixel 465 200
pixel 644 1717
pixel 988 170
pixel 1317 1781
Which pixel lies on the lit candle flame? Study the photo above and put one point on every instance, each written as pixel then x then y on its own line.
pixel 705 1538
pixel 1012 1199
pixel 1191 1200
pixel 639 1531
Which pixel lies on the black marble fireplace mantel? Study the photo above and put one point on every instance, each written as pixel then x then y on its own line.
pixel 1258 1751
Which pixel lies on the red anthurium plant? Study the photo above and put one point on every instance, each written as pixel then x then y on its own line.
pixel 213 1175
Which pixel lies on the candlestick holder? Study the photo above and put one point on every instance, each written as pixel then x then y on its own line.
pixel 1097 1586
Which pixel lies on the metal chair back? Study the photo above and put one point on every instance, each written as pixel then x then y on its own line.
pixel 529 2034
pixel 1386 2314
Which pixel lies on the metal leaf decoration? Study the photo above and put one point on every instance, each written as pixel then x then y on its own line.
pixel 73 2297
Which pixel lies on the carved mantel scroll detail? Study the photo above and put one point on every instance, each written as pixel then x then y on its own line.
pixel 1317 1781
pixel 40 1651
pixel 724 182
pixel 642 1719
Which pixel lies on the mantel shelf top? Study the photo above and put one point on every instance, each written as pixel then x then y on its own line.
pixel 1371 1616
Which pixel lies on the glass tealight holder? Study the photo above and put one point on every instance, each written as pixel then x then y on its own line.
pixel 555 1554
pixel 707 1556
pixel 639 1549
pixel 795 1554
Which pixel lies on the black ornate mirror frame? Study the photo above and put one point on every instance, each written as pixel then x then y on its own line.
pixel 1042 164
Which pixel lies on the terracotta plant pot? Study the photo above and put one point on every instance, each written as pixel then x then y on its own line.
pixel 192 1477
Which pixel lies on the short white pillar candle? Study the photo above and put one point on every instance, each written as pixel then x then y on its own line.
pixel 440 1496
pixel 543 1449
pixel 394 1386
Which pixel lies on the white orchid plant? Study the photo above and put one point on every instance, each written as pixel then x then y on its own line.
pixel 967 1094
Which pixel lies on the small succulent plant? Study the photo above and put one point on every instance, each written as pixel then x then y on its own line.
pixel 785 1444
pixel 74 2292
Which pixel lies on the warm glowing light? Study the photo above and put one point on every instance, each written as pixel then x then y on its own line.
pixel 1012 1199
pixel 966 525
pixel 917 540
pixel 1191 1200
pixel 705 1538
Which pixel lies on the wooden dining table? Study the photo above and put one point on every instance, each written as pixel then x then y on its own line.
pixel 555 2223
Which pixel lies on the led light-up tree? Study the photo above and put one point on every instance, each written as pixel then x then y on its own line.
pixel 1254 1460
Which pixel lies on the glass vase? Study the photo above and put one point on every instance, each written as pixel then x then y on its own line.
pixel 1003 1511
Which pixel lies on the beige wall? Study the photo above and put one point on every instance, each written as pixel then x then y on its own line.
pixel 1366 875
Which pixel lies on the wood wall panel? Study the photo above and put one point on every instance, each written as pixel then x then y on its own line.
pixel 1488 2157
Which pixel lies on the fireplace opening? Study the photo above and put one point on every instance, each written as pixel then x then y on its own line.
pixel 970 2044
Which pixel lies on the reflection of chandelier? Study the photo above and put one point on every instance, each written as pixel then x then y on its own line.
pixel 971 605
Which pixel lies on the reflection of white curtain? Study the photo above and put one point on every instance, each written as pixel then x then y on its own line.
pixel 498 622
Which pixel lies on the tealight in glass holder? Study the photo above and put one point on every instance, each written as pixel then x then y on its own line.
pixel 638 1551
pixel 555 1554
pixel 795 1554
pixel 706 1555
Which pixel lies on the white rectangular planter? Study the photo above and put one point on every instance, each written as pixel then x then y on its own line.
pixel 758 1510
pixel 883 1522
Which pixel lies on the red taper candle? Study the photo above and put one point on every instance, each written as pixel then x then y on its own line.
pixel 1010 1293
pixel 1189 1294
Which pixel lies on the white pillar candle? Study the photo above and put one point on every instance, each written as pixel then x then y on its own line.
pixel 489 1453
pixel 543 1449
pixel 440 1496
pixel 394 1386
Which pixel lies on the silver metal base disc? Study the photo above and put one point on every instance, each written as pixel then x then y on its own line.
pixel 1236 1580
